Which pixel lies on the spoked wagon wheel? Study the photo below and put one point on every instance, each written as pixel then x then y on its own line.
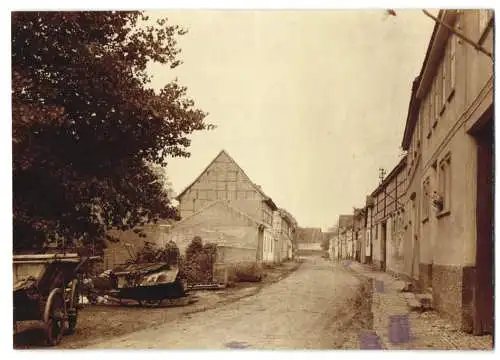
pixel 55 317
pixel 72 306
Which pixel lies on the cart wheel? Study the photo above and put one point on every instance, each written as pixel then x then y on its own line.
pixel 54 317
pixel 73 307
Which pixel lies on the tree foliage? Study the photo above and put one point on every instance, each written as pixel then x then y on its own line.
pixel 86 126
pixel 197 264
pixel 150 253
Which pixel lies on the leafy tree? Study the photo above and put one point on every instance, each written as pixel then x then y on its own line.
pixel 86 126
pixel 197 265
pixel 170 253
pixel 147 254
pixel 150 253
pixel 194 247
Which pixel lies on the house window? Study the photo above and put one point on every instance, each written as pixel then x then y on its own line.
pixel 423 115
pixel 444 79
pixel 426 188
pixel 430 112
pixel 419 125
pixel 452 63
pixel 445 183
pixel 441 86
pixel 437 106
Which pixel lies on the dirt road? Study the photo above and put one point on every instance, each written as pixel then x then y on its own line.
pixel 317 307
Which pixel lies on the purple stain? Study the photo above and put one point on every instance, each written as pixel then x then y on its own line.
pixel 347 263
pixel 369 340
pixel 379 286
pixel 399 329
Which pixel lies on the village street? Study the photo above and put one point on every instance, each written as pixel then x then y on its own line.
pixel 316 307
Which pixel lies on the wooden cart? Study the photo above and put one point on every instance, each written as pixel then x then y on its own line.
pixel 46 289
pixel 148 284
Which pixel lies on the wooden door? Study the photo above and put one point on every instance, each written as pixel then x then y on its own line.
pixel 483 294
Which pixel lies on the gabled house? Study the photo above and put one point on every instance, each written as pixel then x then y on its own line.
pixel 224 181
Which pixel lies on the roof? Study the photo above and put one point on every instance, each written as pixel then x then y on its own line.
pixel 267 199
pixel 414 103
pixel 226 204
pixel 396 170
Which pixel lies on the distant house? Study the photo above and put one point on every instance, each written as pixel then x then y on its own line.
pixel 359 233
pixel 289 229
pixel 284 226
pixel 309 236
pixel 342 245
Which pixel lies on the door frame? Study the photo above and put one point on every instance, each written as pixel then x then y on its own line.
pixel 483 295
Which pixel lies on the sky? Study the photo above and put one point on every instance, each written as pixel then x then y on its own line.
pixel 309 103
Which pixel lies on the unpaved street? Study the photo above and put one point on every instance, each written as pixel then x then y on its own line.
pixel 316 307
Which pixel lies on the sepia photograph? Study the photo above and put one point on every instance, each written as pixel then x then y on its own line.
pixel 252 179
